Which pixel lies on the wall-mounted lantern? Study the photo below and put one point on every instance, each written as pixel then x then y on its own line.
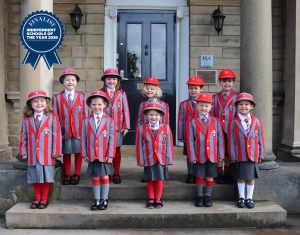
pixel 76 16
pixel 218 19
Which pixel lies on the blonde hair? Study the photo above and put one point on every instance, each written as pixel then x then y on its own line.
pixel 159 92
pixel 28 110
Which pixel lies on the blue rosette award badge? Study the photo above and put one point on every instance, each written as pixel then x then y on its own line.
pixel 41 34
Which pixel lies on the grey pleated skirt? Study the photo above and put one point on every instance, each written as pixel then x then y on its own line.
pixel 247 170
pixel 71 146
pixel 155 172
pixel 97 168
pixel 203 170
pixel 40 174
pixel 119 139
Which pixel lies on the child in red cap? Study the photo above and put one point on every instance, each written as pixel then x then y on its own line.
pixel 70 105
pixel 40 144
pixel 223 108
pixel 187 110
pixel 154 152
pixel 118 110
pixel 246 147
pixel 98 147
pixel 153 93
pixel 205 146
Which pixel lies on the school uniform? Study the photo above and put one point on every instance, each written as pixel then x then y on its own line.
pixel 154 150
pixel 40 140
pixel 224 108
pixel 142 118
pixel 98 142
pixel 71 111
pixel 246 145
pixel 205 145
pixel 118 110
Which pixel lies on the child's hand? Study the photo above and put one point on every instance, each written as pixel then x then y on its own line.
pixel 259 160
pixel 85 158
pixel 24 157
pixel 109 160
pixel 194 162
pixel 124 131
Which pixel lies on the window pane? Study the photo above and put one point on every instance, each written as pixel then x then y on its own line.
pixel 134 45
pixel 158 51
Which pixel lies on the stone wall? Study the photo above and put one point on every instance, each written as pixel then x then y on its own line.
pixel 226 48
pixel 83 50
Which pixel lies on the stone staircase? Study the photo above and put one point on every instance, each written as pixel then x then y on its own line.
pixel 127 205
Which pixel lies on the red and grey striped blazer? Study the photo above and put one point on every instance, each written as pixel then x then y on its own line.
pixel 142 118
pixel 71 118
pixel 150 149
pixel 98 143
pixel 42 145
pixel 244 146
pixel 118 110
pixel 224 110
pixel 187 111
pixel 202 144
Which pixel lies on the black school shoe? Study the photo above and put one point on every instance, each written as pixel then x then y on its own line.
pixel 241 203
pixel 66 180
pixel 190 179
pixel 103 204
pixel 250 203
pixel 158 203
pixel 94 207
pixel 35 204
pixel 116 179
pixel 150 203
pixel 43 204
pixel 207 201
pixel 75 179
pixel 199 202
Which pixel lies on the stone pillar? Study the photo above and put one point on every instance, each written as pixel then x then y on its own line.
pixel 41 77
pixel 290 145
pixel 5 150
pixel 256 66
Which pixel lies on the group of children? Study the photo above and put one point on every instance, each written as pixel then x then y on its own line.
pixel 213 129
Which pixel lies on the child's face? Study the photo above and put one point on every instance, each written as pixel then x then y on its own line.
pixel 153 116
pixel 204 108
pixel 151 91
pixel 39 104
pixel 97 105
pixel 111 82
pixel 227 84
pixel 70 82
pixel 195 91
pixel 244 107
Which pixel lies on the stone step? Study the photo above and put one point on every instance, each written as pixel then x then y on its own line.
pixel 132 188
pixel 133 214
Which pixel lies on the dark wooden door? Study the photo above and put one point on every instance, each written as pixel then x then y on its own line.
pixel 146 42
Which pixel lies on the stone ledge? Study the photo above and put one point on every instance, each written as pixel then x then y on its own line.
pixel 133 214
pixel 14 97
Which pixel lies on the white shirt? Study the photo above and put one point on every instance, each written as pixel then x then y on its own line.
pixel 40 117
pixel 96 119
pixel 242 117
pixel 109 90
pixel 154 126
pixel 70 92
pixel 206 116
